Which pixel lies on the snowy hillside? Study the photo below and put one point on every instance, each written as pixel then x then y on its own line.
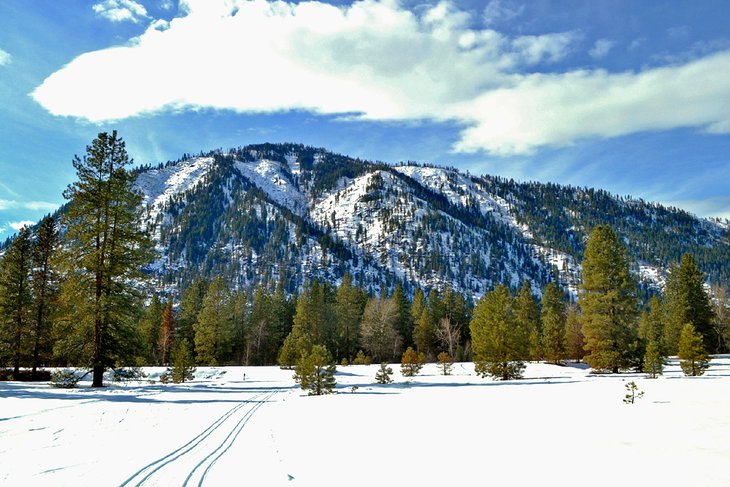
pixel 559 426
pixel 261 214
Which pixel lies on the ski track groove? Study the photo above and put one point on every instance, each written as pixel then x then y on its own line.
pixel 241 424
pixel 180 452
pixel 187 447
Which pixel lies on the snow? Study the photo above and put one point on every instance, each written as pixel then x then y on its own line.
pixel 268 176
pixel 557 426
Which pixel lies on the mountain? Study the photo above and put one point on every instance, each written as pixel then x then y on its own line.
pixel 286 213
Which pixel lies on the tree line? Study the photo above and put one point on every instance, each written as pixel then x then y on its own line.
pixel 73 293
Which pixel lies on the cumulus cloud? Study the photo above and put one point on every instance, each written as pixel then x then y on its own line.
pixel 121 10
pixel 17 226
pixel 601 48
pixel 376 60
pixel 4 57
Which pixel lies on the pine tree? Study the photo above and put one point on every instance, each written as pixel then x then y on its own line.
pixel 315 371
pixel 183 368
pixel 445 363
pixel 687 302
pixel 348 313
pixel 214 329
pixel 16 296
pixel 574 342
pixel 553 324
pixel 404 326
pixel 382 376
pixel 608 300
pixel 190 305
pixel 149 330
pixel 653 359
pixel 378 333
pixel 105 251
pixel 692 354
pixel 167 333
pixel 498 351
pixel 45 289
pixel 651 323
pixel 527 321
pixel 411 362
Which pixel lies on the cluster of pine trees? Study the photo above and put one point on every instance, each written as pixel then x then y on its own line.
pixel 77 297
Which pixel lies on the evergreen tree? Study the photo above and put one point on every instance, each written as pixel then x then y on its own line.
pixel 260 324
pixel 693 356
pixel 553 324
pixel 349 301
pixel 167 333
pixel 411 362
pixel 45 289
pixel 653 359
pixel 498 351
pixel 241 324
pixel 382 376
pixel 608 301
pixel 16 296
pixel 687 302
pixel 651 323
pixel 149 330
pixel 315 371
pixel 378 333
pixel 183 368
pixel 214 329
pixel 574 335
pixel 721 311
pixel 191 303
pixel 527 322
pixel 404 326
pixel 445 363
pixel 105 250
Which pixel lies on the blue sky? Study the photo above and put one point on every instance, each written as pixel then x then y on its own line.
pixel 630 96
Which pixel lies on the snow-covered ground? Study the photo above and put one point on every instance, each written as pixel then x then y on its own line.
pixel 558 426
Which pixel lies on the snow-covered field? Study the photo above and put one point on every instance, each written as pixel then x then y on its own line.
pixel 558 426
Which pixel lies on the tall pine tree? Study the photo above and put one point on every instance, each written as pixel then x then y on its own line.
pixel 45 289
pixel 106 250
pixel 553 324
pixel 608 301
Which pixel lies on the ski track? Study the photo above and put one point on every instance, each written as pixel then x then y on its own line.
pixel 211 453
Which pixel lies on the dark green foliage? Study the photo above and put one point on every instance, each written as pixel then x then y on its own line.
pixel 687 302
pixel 315 371
pixel 382 376
pixel 214 327
pixel 574 342
pixel 45 290
pixel 65 379
pixel 528 322
pixel 105 252
pixel 411 363
pixel 183 365
pixel 16 299
pixel 633 393
pixel 608 301
pixel 348 309
pixel 653 359
pixel 498 346
pixel 692 354
pixel 553 324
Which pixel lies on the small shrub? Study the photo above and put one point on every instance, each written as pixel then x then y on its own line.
pixel 361 359
pixel 633 393
pixel 128 374
pixel 344 362
pixel 64 379
pixel 445 363
pixel 315 372
pixel 411 363
pixel 383 374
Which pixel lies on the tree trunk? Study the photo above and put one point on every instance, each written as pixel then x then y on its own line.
pixel 98 380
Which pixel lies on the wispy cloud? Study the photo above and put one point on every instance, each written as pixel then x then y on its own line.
pixel 717 206
pixel 376 60
pixel 498 11
pixel 601 48
pixel 121 10
pixel 5 57
pixel 27 205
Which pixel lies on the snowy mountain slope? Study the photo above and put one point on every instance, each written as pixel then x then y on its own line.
pixel 286 212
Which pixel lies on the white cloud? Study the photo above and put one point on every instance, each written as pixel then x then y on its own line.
pixel 498 11
pixel 17 226
pixel 601 48
pixel 121 10
pixel 375 60
pixel 5 57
